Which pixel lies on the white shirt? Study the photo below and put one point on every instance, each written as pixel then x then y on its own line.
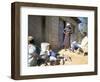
pixel 84 41
pixel 31 48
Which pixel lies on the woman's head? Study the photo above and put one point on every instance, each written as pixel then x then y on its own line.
pixel 30 40
pixel 68 24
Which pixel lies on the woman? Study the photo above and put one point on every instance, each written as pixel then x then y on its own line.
pixel 67 32
pixel 32 55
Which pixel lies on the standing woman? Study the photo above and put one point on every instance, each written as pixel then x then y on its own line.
pixel 67 32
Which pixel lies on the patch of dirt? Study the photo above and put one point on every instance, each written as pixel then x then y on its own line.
pixel 73 58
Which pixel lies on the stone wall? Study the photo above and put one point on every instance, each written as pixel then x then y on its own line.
pixel 35 28
pixel 52 31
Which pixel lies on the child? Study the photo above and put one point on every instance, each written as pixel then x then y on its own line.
pixel 52 56
pixel 43 54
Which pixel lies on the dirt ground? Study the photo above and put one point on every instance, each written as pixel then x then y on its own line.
pixel 73 58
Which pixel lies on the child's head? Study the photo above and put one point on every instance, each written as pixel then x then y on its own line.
pixel 49 47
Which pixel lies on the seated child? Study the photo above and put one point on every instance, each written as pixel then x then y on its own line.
pixel 52 56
